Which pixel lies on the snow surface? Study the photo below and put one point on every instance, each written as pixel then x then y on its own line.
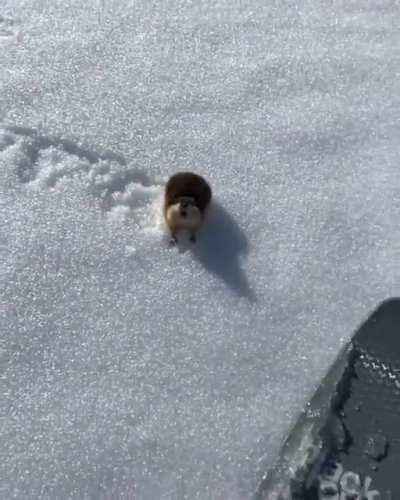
pixel 130 369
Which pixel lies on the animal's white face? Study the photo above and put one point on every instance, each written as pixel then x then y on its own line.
pixel 184 215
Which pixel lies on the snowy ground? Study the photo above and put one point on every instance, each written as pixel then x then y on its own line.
pixel 130 368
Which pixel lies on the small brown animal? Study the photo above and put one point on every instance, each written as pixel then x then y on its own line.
pixel 187 196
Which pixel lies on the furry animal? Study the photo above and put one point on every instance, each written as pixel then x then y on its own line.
pixel 187 196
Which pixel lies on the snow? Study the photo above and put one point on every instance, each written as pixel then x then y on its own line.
pixel 130 369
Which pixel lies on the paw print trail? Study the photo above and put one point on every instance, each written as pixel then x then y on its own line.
pixel 44 162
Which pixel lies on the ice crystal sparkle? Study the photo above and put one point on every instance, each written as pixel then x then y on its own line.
pixel 130 367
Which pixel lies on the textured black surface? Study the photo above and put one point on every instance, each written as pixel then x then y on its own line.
pixel 346 444
pixel 367 449
pixel 371 414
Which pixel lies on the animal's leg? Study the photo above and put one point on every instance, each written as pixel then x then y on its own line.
pixel 174 239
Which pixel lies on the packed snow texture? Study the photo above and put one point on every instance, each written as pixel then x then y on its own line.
pixel 131 369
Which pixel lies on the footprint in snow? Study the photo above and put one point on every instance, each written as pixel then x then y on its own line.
pixel 9 31
pixel 44 161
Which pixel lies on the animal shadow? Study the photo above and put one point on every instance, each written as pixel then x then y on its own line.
pixel 219 247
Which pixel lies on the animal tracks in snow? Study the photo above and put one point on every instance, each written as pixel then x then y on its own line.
pixel 44 162
pixel 9 31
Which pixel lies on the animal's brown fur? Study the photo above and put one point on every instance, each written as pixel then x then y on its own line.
pixel 188 184
pixel 183 186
